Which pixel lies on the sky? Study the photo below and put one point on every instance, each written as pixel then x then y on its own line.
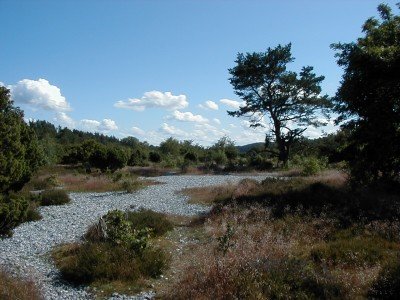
pixel 154 69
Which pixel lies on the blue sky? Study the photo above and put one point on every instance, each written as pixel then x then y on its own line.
pixel 148 68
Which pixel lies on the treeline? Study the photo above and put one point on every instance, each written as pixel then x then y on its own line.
pixel 95 150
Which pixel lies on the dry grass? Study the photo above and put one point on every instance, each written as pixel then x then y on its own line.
pixel 14 288
pixel 214 194
pixel 248 252
pixel 86 183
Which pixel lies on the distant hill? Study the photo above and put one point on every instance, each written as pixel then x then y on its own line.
pixel 245 148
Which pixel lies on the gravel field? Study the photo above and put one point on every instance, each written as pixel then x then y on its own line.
pixel 27 252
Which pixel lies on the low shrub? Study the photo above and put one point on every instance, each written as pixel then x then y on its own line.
pixel 114 250
pixel 145 218
pixel 13 211
pixel 387 285
pixel 131 185
pixel 54 197
pixel 89 262
pixel 285 278
pixel 15 288
pixel 355 251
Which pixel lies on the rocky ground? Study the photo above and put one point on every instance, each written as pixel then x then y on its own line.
pixel 27 252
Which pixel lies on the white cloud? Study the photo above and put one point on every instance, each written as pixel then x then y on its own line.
pixel 209 105
pixel 65 120
pixel 39 93
pixel 105 125
pixel 171 130
pixel 137 130
pixel 155 99
pixel 90 125
pixel 231 103
pixel 108 125
pixel 217 121
pixel 188 117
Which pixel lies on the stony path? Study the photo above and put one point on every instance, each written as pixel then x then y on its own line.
pixel 27 252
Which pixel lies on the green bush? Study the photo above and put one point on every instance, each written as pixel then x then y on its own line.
pixel 145 218
pixel 114 250
pixel 153 262
pixel 154 157
pixel 312 165
pixel 131 185
pixel 89 262
pixel 387 285
pixel 54 197
pixel 13 211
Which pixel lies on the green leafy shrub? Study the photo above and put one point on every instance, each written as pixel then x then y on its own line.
pixel 145 218
pixel 387 285
pixel 312 165
pixel 54 197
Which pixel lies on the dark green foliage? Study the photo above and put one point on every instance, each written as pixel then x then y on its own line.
pixel 98 159
pixel 190 156
pixel 170 147
pixel 155 157
pixel 146 218
pixel 54 197
pixel 387 286
pixel 19 156
pixel 370 96
pixel 269 89
pixel 116 158
pixel 13 211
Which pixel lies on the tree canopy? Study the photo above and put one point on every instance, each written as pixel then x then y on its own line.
pixel 290 100
pixel 369 98
pixel 19 155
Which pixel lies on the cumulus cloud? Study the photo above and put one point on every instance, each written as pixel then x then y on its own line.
pixel 209 105
pixel 171 130
pixel 105 125
pixel 108 125
pixel 137 130
pixel 231 103
pixel 39 93
pixel 65 120
pixel 154 99
pixel 188 117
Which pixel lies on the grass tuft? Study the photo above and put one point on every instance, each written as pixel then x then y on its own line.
pixel 54 197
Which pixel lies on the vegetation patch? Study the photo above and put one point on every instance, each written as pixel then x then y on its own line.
pixel 54 197
pixel 117 252
pixel 387 285
pixel 16 288
pixel 356 251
